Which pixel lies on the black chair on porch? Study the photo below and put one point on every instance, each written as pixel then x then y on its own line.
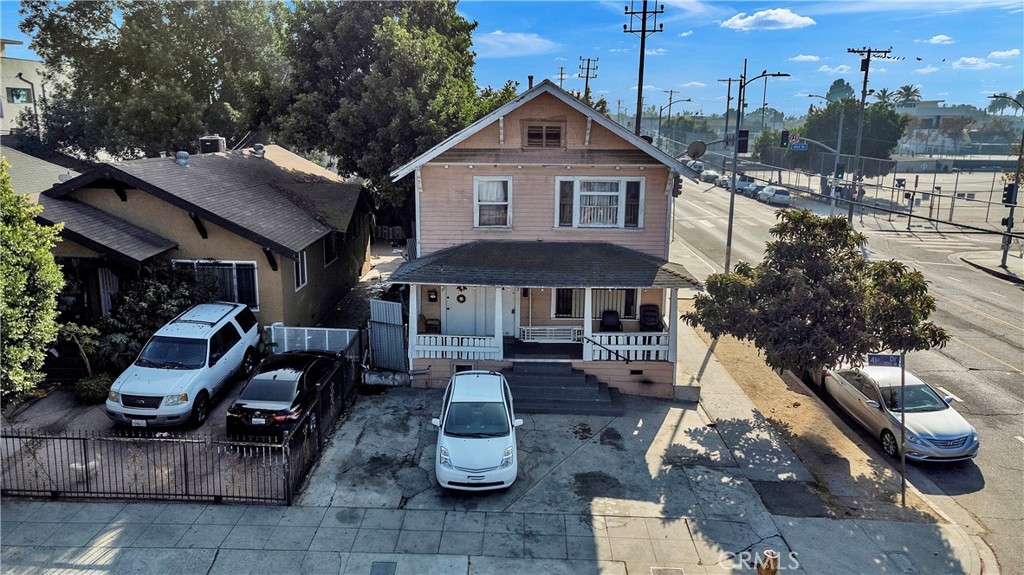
pixel 650 318
pixel 610 321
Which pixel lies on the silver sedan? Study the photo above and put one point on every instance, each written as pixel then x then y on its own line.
pixel 871 395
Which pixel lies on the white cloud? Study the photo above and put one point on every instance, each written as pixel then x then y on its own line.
pixel 647 87
pixel 1004 54
pixel 560 59
pixel 840 69
pixel 938 39
pixel 620 50
pixel 804 58
pixel 694 85
pixel 687 33
pixel 881 70
pixel 929 69
pixel 500 44
pixel 656 52
pixel 773 19
pixel 969 63
pixel 942 94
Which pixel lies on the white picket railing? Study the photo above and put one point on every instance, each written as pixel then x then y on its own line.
pixel 641 346
pixel 552 333
pixel 433 346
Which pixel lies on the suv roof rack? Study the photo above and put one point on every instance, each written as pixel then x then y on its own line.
pixel 210 323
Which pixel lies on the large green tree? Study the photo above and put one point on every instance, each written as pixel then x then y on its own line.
pixel 839 90
pixel 145 77
pixel 883 128
pixel 814 301
pixel 29 283
pixel 377 83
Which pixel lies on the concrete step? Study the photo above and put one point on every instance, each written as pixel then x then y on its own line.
pixel 559 393
pixel 570 407
pixel 577 379
pixel 542 368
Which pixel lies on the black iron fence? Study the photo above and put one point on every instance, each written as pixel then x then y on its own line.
pixel 179 466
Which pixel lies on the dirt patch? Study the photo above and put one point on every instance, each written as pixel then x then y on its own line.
pixel 582 431
pixel 597 484
pixel 853 480
pixel 612 438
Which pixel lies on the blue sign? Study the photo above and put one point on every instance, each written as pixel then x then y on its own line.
pixel 799 147
pixel 884 359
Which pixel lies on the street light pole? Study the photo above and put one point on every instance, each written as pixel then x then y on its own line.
pixel 728 98
pixel 1016 183
pixel 839 150
pixel 735 153
pixel 669 106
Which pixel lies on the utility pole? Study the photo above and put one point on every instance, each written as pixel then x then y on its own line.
pixel 728 98
pixel 587 65
pixel 643 16
pixel 561 75
pixel 764 103
pixel 865 63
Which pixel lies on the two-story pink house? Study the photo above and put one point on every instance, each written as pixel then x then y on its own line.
pixel 543 235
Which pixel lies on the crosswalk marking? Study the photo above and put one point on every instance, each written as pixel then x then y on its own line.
pixel 706 223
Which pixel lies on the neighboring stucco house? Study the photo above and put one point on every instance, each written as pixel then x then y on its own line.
pixel 22 83
pixel 541 228
pixel 276 231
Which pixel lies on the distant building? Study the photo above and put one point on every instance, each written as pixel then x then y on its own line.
pixel 22 85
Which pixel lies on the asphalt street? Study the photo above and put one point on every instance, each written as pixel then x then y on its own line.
pixel 982 366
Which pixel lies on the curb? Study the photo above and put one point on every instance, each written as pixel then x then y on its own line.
pixel 995 272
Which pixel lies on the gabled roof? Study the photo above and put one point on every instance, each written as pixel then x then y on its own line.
pixel 31 175
pixel 544 264
pixel 545 87
pixel 280 201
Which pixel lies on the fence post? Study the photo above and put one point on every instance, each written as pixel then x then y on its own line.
pixel 286 451
pixel 85 463
pixel 184 457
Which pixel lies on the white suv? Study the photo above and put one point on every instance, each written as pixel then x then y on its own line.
pixel 184 364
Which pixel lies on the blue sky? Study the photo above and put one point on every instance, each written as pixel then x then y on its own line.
pixel 958 51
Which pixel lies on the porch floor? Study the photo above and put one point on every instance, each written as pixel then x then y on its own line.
pixel 523 350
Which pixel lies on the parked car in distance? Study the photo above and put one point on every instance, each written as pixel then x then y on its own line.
pixel 709 176
pixel 280 392
pixel 752 189
pixel 184 365
pixel 774 195
pixel 723 181
pixel 871 396
pixel 476 433
pixel 696 165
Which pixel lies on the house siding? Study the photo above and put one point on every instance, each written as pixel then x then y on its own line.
pixel 446 208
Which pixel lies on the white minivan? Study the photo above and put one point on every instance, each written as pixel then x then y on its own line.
pixel 184 365
pixel 476 433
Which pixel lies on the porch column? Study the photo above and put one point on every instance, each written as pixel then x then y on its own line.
pixel 673 323
pixel 588 324
pixel 497 322
pixel 414 314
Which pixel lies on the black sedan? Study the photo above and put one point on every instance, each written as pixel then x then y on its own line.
pixel 280 393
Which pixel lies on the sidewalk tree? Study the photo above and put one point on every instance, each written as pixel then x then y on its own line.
pixel 955 128
pixel 814 301
pixel 208 67
pixel 30 280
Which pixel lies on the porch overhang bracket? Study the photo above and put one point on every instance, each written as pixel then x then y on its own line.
pixel 270 258
pixel 501 130
pixel 586 141
pixel 121 193
pixel 199 225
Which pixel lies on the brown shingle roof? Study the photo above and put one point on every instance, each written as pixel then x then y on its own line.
pixel 544 264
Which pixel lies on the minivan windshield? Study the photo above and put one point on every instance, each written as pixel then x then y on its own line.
pixel 173 353
pixel 919 398
pixel 477 419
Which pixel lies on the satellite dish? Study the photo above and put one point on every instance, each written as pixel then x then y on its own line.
pixel 696 149
pixel 64 177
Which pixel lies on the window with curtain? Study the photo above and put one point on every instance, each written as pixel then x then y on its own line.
pixel 235 281
pixel 493 201
pixel 592 202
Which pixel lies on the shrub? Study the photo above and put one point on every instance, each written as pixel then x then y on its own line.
pixel 93 389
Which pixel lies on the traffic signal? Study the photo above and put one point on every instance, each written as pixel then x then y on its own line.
pixel 1010 194
pixel 1007 222
pixel 741 143
pixel 840 171
pixel 785 139
pixel 901 182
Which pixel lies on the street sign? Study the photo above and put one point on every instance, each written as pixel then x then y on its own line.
pixel 798 147
pixel 884 359
pixel 794 138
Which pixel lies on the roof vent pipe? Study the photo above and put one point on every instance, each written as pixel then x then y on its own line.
pixel 181 158
pixel 258 150
pixel 529 79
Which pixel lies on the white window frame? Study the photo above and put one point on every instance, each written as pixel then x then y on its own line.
pixel 234 264
pixel 620 222
pixel 301 273
pixel 477 180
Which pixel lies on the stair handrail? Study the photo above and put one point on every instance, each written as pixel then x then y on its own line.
pixel 606 348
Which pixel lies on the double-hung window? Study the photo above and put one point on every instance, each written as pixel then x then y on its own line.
pixel 19 95
pixel 569 303
pixel 492 201
pixel 597 202
pixel 235 281
pixel 300 271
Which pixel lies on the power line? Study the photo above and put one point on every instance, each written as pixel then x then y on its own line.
pixel 643 17
pixel 865 64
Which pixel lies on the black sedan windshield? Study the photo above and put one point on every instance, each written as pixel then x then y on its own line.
pixel 919 398
pixel 477 419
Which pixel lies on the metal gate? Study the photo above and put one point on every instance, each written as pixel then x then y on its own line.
pixel 387 335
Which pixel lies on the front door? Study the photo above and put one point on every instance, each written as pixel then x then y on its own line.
pixel 460 310
pixel 510 312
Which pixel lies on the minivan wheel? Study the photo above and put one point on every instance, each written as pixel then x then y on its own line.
pixel 200 409
pixel 889 444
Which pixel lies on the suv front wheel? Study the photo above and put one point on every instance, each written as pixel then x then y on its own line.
pixel 200 409
pixel 248 363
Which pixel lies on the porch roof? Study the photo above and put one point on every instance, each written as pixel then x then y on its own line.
pixel 544 264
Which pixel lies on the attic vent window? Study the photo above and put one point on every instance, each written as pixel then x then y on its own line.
pixel 544 136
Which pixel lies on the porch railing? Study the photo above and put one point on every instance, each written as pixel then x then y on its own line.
pixel 642 346
pixel 432 346
pixel 552 333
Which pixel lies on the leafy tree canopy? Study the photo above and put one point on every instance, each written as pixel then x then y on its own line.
pixel 815 302
pixel 147 76
pixel 839 90
pixel 908 93
pixel 29 283
pixel 883 128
